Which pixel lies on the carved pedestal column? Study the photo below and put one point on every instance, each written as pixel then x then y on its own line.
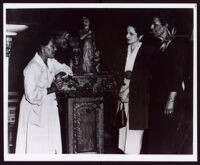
pixel 85 124
pixel 85 113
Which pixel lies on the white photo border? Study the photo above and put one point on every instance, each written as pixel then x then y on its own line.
pixel 99 157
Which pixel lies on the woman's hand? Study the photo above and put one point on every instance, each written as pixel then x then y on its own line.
pixel 124 92
pixel 59 84
pixel 56 86
pixel 169 107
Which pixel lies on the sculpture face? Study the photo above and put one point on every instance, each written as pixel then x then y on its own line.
pixel 62 40
pixel 86 23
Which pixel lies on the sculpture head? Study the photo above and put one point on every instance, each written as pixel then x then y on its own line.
pixel 86 23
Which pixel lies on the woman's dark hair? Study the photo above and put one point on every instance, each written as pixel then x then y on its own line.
pixel 43 39
pixel 138 28
pixel 163 20
pixel 166 17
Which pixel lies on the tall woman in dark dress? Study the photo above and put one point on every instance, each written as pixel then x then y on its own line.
pixel 166 88
pixel 132 63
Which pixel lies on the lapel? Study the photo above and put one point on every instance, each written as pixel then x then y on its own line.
pixel 138 56
pixel 47 74
pixel 122 54
pixel 139 60
pixel 122 59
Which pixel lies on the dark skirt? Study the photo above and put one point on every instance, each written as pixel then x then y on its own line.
pixel 163 134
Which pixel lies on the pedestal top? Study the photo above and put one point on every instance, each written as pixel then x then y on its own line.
pixel 89 85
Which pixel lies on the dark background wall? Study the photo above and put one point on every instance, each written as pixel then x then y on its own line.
pixel 109 26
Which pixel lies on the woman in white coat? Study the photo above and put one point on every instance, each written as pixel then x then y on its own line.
pixel 39 125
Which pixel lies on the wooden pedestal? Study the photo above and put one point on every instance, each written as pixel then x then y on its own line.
pixel 84 113
pixel 85 125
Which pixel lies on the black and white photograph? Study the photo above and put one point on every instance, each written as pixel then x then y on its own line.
pixel 100 82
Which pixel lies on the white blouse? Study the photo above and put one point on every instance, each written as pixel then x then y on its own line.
pixel 131 56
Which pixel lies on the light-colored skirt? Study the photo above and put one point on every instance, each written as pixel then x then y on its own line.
pixel 130 141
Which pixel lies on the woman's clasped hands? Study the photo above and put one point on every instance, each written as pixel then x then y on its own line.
pixel 58 82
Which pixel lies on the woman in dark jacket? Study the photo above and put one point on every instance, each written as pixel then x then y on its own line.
pixel 166 88
pixel 132 63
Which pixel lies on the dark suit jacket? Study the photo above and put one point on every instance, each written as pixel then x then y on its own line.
pixel 167 69
pixel 139 85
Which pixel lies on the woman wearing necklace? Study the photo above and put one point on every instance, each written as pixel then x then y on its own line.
pixel 166 88
pixel 39 125
pixel 132 62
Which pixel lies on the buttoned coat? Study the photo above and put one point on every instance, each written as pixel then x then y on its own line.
pixel 39 125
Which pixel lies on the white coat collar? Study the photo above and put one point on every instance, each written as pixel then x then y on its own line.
pixel 41 62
